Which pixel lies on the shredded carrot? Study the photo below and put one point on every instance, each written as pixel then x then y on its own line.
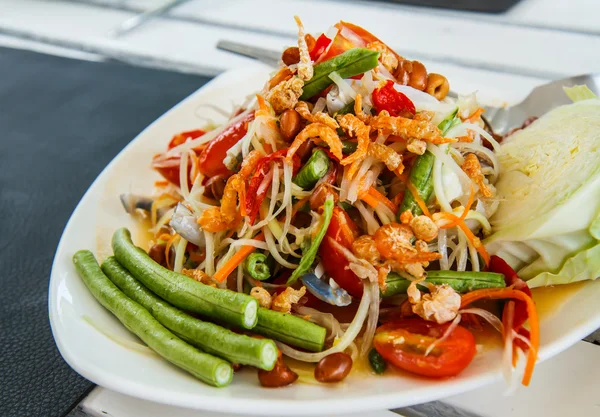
pixel 262 106
pixel 418 198
pixel 168 248
pixel 229 266
pixel 298 205
pixel 503 293
pixel 475 115
pixel 455 220
pixel 383 199
pixel 369 199
pixel 161 183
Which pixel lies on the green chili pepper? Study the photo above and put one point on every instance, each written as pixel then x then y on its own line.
pixel 309 255
pixel 349 147
pixel 377 362
pixel 449 122
pixel 314 169
pixel 350 63
pixel 348 108
pixel 460 281
pixel 255 266
pixel 421 174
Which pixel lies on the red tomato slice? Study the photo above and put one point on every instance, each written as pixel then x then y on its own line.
pixel 396 103
pixel 210 161
pixel 168 167
pixel 343 230
pixel 403 344
pixel 183 137
pixel 320 46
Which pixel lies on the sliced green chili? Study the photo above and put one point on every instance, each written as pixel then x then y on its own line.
pixel 314 169
pixel 255 265
pixel 309 255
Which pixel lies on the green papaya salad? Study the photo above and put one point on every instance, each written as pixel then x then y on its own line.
pixel 352 210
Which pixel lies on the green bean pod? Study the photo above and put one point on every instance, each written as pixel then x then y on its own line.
pixel 460 281
pixel 421 177
pixel 138 320
pixel 421 174
pixel 224 306
pixel 211 338
pixel 313 170
pixel 290 329
pixel 256 266
pixel 350 63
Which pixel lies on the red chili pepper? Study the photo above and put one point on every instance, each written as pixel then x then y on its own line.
pixel 387 98
pixel 499 265
pixel 183 137
pixel 320 46
pixel 210 161
pixel 255 195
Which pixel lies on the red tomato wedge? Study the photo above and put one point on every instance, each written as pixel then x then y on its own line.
pixel 349 36
pixel 320 46
pixel 210 161
pixel 343 230
pixel 403 344
pixel 396 103
pixel 168 166
pixel 183 137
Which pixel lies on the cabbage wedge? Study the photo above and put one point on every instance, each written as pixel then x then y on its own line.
pixel 547 226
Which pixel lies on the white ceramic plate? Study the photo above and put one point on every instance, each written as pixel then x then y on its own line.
pixel 97 346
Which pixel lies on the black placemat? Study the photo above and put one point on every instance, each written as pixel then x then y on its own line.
pixel 61 122
pixel 484 6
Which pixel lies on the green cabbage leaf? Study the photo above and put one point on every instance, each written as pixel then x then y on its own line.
pixel 547 226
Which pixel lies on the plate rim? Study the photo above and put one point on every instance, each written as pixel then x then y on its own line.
pixel 203 401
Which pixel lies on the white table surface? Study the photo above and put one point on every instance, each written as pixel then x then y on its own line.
pixel 501 56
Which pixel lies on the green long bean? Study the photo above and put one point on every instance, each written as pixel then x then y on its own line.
pixel 224 306
pixel 209 337
pixel 138 320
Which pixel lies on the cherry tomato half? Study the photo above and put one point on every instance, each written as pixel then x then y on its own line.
pixel 343 230
pixel 403 344
pixel 210 161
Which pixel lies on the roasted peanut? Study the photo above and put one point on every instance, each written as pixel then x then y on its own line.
pixel 291 55
pixel 280 376
pixel 333 368
pixel 290 124
pixel 317 199
pixel 437 86
pixel 157 253
pixel 215 187
pixel 305 150
pixel 412 73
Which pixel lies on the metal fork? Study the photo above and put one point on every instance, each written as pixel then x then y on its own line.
pixel 500 119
